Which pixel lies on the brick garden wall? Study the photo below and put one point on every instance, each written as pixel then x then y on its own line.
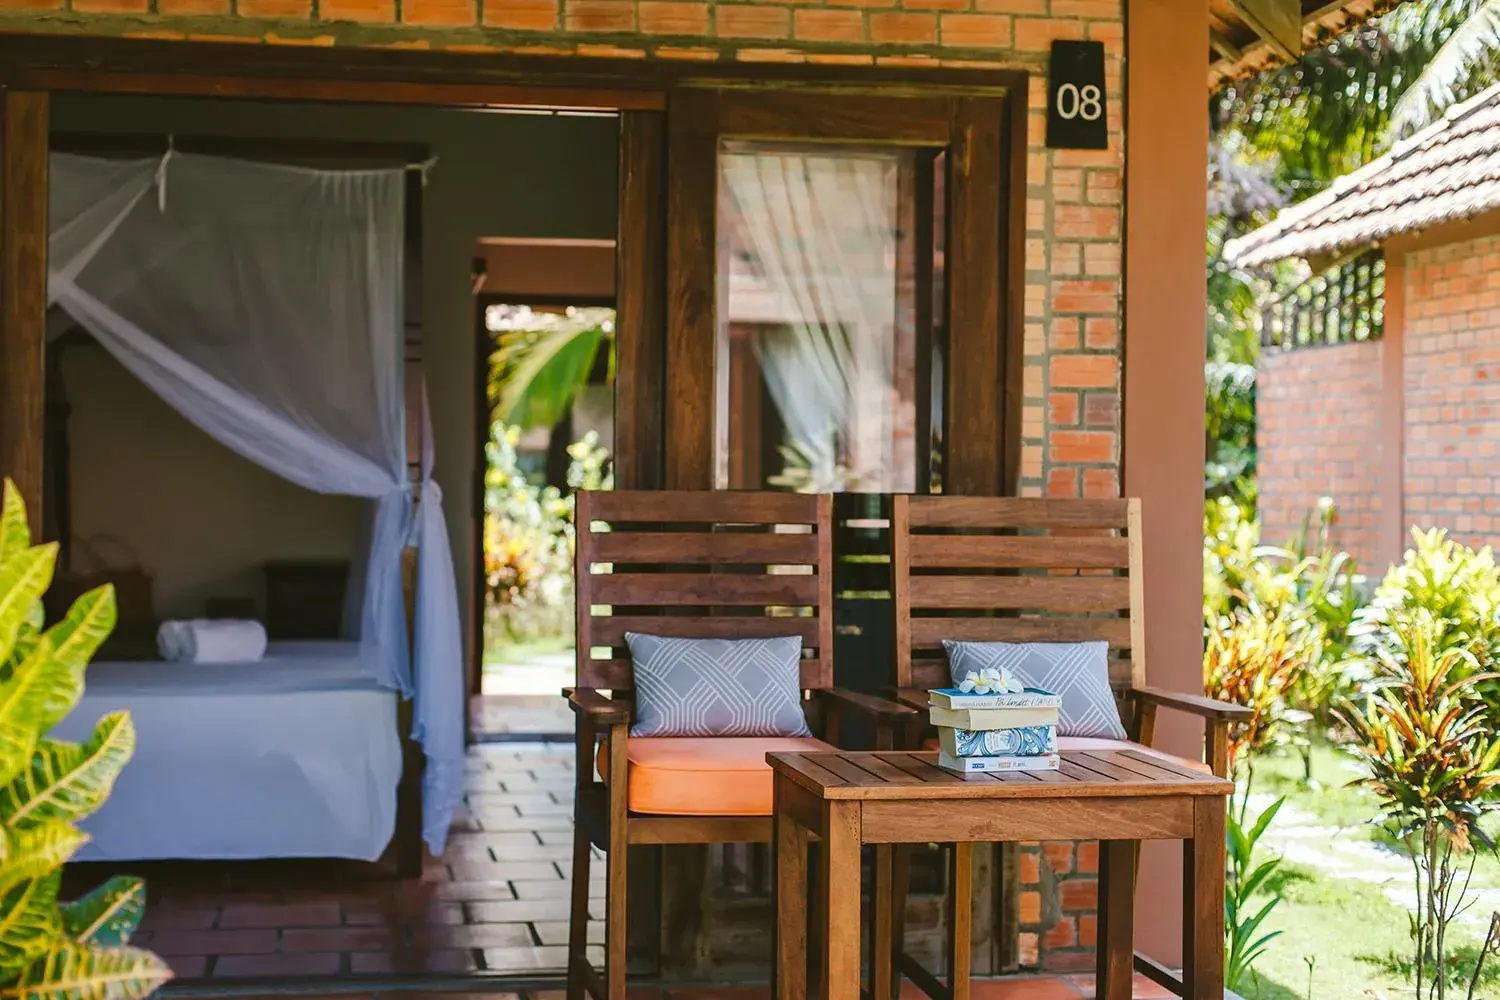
pixel 1071 410
pixel 1317 436
pixel 1452 375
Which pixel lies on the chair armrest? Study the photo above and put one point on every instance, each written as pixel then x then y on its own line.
pixel 880 708
pixel 599 709
pixel 1194 704
pixel 915 698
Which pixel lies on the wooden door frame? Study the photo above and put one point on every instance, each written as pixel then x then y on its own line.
pixel 985 136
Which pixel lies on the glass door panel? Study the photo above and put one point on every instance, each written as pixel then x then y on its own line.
pixel 824 321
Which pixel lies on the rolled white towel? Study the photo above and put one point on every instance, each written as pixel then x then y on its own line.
pixel 206 640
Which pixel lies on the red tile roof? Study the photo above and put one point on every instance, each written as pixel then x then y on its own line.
pixel 1448 172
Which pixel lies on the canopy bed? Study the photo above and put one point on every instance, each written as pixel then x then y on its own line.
pixel 264 303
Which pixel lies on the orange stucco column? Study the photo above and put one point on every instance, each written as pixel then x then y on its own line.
pixel 1166 163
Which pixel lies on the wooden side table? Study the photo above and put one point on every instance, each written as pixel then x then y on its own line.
pixel 1118 797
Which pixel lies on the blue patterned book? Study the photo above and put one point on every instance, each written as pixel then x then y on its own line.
pixel 1025 741
pixel 977 765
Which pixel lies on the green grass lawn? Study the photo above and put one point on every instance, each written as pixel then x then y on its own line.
pixel 504 654
pixel 1346 931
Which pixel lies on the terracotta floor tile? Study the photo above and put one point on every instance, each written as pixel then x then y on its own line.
pixel 556 931
pixel 497 823
pixel 517 910
pixel 215 942
pixel 488 891
pixel 1024 988
pixel 302 939
pixel 555 889
pixel 513 935
pixel 307 964
pixel 412 962
pixel 521 960
pixel 323 914
pixel 164 916
pixel 188 966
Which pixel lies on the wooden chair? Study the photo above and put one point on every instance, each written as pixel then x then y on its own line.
pixel 1019 570
pixel 687 564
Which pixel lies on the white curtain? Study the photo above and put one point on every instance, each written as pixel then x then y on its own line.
pixel 822 230
pixel 264 303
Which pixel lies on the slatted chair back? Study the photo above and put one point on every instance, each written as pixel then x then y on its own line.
pixel 1015 569
pixel 699 564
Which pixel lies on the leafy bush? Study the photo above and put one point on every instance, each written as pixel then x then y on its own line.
pixel 528 539
pixel 77 950
pixel 1433 764
pixel 1253 658
pixel 1229 422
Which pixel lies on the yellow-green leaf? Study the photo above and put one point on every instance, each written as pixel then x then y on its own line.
pixel 77 972
pixel 67 781
pixel 15 532
pixel 24 578
pixel 87 624
pixel 28 921
pixel 107 916
pixel 38 851
pixel 42 691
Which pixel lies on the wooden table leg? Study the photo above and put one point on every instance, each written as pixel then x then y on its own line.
pixel 789 855
pixel 838 883
pixel 1115 950
pixel 1203 902
pixel 960 919
pixel 882 961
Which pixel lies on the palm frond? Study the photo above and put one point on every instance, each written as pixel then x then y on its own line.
pixel 1464 64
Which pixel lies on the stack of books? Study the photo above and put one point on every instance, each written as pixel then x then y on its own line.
pixel 1014 731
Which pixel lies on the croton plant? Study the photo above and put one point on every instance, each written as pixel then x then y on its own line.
pixel 53 950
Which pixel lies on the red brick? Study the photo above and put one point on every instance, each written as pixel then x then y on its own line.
pixel 439 13
pixel 1059 855
pixel 1100 333
pixel 826 25
pixel 1088 853
pixel 599 15
pixel 1028 868
pixel 1101 409
pixel 1079 894
pixel 1082 446
pixel 752 21
pixel 1034 34
pixel 372 11
pixel 338 938
pixel 903 28
pixel 111 6
pixel 235 966
pixel 1012 6
pixel 1063 934
pixel 1088 930
pixel 976 30
pixel 284 9
pixel 1086 8
pixel 525 15
pixel 1062 409
pixel 659 17
pixel 1084 371
pixel 1062 483
pixel 1099 484
pixel 1029 908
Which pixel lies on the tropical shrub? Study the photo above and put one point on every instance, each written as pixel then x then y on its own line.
pixel 1433 764
pixel 77 950
pixel 528 539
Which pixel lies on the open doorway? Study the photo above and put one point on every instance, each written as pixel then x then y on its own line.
pixel 546 412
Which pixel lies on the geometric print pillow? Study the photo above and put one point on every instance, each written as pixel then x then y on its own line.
pixel 1076 671
pixel 717 687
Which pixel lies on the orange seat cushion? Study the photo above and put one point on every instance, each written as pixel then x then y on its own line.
pixel 703 776
pixel 1098 743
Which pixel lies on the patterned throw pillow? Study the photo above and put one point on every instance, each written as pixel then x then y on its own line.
pixel 717 687
pixel 1076 671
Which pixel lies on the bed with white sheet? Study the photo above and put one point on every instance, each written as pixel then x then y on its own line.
pixel 296 755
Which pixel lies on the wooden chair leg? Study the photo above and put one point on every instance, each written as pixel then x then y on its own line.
pixel 616 892
pixel 960 919
pixel 882 940
pixel 900 887
pixel 578 914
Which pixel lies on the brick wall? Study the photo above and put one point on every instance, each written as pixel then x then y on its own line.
pixel 1316 415
pixel 1452 375
pixel 1071 406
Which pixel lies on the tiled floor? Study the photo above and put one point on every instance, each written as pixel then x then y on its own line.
pixel 1011 988
pixel 495 904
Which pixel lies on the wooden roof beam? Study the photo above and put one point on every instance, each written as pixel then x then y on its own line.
pixel 1277 22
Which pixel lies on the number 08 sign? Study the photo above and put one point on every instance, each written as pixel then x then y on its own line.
pixel 1076 117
